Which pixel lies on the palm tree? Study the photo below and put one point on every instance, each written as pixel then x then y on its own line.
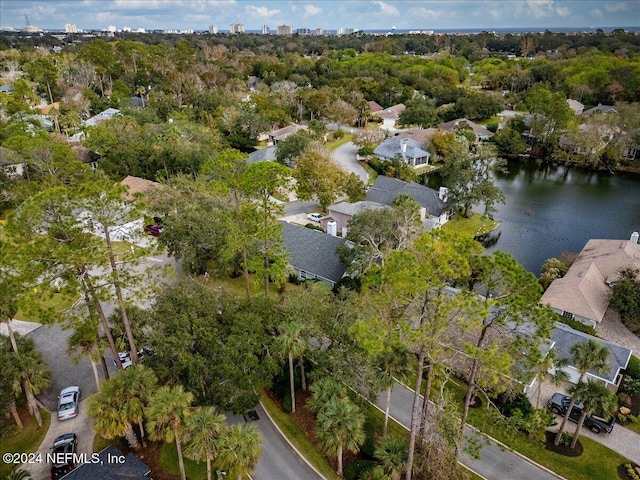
pixel 240 449
pixel 585 356
pixel 392 455
pixel 9 383
pixel 138 384
pixel 18 474
pixel 552 363
pixel 35 376
pixel 292 344
pixel 340 427
pixel 168 410
pixel 110 419
pixel 595 397
pixel 322 392
pixel 204 429
pixel 392 363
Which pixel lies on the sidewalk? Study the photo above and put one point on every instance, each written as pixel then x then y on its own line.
pixel 496 462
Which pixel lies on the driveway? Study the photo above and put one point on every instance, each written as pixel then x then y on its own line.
pixel 495 462
pixel 612 329
pixel 82 426
pixel 279 460
pixel 345 156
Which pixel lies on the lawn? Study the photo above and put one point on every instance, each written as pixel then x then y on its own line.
pixel 26 441
pixel 337 143
pixel 597 462
pixel 373 175
pixel 297 437
pixel 169 463
pixel 474 226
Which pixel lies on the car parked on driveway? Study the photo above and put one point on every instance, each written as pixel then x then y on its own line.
pixel 64 448
pixel 125 357
pixel 559 403
pixel 154 230
pixel 68 403
pixel 315 217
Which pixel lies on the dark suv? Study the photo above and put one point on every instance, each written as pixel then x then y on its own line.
pixel 558 403
pixel 64 447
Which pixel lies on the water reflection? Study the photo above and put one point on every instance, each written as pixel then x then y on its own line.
pixel 552 209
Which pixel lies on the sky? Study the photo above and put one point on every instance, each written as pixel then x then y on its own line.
pixel 326 14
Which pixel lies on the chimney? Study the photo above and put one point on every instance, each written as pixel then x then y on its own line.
pixel 634 237
pixel 332 228
pixel 404 145
pixel 443 194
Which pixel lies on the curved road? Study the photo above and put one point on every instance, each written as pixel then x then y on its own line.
pixel 345 156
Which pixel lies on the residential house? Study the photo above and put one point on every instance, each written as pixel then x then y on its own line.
pixel 101 117
pixel 276 136
pixel 11 163
pixel 390 116
pixel 420 135
pixel 433 203
pixel 312 253
pixel 591 140
pixel 46 109
pixel 341 213
pixel 565 337
pixel 112 465
pixel 599 109
pixel 410 151
pixel 583 294
pixel 267 154
pixel 454 126
pixel 137 185
pixel 374 107
pixel 576 106
pixel 86 156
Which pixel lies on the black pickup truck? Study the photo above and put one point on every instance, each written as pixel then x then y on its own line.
pixel 558 403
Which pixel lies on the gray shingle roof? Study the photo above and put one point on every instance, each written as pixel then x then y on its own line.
pixel 313 251
pixel 386 189
pixel 264 154
pixel 393 146
pixel 565 337
pixel 132 469
pixel 351 209
pixel 600 108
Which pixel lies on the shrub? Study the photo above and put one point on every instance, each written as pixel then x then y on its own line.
pixel 631 471
pixel 493 127
pixel 286 402
pixel 576 325
pixel 508 403
pixel 633 369
pixel 566 439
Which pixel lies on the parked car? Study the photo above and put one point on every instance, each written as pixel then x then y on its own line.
pixel 63 448
pixel 315 217
pixel 68 401
pixel 154 230
pixel 125 357
pixel 559 403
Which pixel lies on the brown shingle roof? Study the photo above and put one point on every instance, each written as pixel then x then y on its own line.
pixel 137 185
pixel 583 290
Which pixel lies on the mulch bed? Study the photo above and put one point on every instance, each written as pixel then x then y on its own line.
pixel 307 423
pixel 150 456
pixel 623 473
pixel 562 449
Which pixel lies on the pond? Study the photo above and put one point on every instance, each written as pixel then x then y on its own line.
pixel 551 209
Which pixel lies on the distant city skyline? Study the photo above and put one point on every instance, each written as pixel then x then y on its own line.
pixel 325 14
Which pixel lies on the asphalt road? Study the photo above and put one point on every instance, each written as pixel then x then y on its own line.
pixel 495 463
pixel 279 460
pixel 345 156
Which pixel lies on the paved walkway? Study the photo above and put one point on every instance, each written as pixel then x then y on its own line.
pixel 495 462
pixel 612 329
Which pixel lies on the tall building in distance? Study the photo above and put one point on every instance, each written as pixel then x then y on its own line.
pixel 319 32
pixel 70 28
pixel 213 29
pixel 285 29
pixel 236 28
pixel 265 30
pixel 303 31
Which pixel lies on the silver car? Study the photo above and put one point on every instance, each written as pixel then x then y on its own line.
pixel 68 402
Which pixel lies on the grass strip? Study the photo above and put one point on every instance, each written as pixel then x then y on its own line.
pixel 26 441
